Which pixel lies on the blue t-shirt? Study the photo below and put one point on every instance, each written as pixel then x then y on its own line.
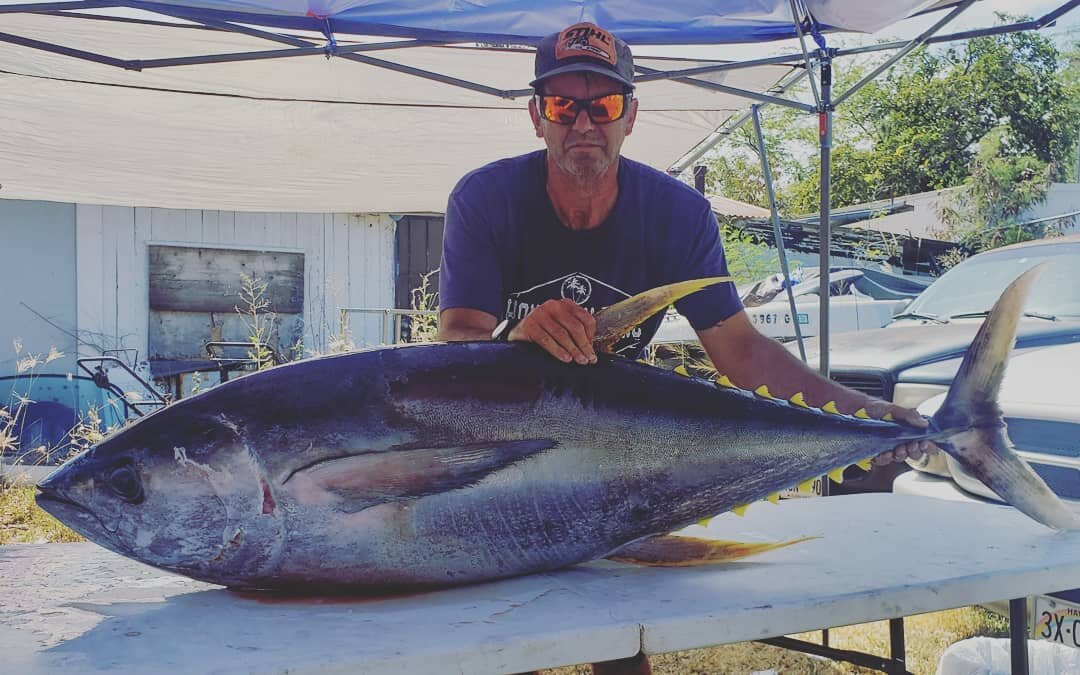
pixel 505 251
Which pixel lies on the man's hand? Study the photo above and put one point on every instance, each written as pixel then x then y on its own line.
pixel 910 450
pixel 562 328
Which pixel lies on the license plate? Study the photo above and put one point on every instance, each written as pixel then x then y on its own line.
pixel 1056 620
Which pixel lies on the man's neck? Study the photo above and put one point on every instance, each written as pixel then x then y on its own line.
pixel 582 205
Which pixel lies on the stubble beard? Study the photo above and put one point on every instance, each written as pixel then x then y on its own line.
pixel 585 169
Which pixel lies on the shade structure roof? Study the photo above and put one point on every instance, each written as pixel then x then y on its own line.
pixel 311 133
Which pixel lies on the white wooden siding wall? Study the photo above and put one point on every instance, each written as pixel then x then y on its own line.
pixel 348 262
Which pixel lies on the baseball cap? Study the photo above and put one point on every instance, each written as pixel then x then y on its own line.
pixel 584 48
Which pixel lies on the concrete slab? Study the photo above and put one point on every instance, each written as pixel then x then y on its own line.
pixel 76 608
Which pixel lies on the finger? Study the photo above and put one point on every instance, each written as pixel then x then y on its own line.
pixel 549 343
pixel 587 320
pixel 564 336
pixel 910 417
pixel 884 458
pixel 577 323
pixel 581 325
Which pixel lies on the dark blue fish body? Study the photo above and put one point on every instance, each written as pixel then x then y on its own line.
pixel 448 463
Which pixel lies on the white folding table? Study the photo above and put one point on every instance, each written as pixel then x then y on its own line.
pixel 76 608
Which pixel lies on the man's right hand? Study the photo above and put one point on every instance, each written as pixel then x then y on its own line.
pixel 562 328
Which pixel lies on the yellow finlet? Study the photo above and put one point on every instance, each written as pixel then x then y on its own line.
pixel 774 498
pixel 763 392
pixel 806 485
pixel 798 400
pixel 865 464
pixel 837 475
pixel 704 522
pixel 861 414
pixel 723 381
pixel 681 370
pixel 830 407
pixel 740 510
pixel 888 417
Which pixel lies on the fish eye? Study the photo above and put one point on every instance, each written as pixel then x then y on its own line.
pixel 124 481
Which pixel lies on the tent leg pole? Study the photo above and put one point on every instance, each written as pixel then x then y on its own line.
pixel 778 234
pixel 824 238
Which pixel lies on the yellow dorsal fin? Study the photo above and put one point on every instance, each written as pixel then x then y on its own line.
pixel 837 475
pixel 723 381
pixel 774 498
pixel 888 417
pixel 681 370
pixel 861 414
pixel 740 510
pixel 830 407
pixel 763 392
pixel 619 319
pixel 798 400
pixel 864 464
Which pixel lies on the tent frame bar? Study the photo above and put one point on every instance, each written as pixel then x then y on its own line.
pixel 302 47
pixel 904 51
pixel 806 60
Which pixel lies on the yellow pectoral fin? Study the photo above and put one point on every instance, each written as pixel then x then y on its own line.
pixel 619 319
pixel 668 550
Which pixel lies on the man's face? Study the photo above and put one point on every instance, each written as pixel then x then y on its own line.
pixel 583 150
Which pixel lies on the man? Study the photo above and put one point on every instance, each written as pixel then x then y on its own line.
pixel 540 242
pixel 535 244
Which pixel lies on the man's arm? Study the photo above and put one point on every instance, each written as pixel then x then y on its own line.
pixel 750 359
pixel 460 324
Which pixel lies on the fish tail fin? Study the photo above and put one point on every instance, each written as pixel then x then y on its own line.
pixel 975 427
pixel 617 320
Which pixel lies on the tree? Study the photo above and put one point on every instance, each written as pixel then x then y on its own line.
pixel 1001 105
pixel 1001 186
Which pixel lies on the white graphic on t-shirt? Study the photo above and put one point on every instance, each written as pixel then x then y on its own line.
pixel 578 288
pixel 591 294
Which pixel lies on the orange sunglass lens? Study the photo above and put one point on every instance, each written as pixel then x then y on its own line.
pixel 564 110
pixel 560 110
pixel 606 108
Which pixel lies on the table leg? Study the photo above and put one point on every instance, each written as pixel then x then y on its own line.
pixel 897 649
pixel 1018 621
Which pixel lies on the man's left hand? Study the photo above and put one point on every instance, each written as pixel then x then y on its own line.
pixel 911 449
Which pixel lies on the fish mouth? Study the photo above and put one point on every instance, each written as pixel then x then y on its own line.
pixel 71 513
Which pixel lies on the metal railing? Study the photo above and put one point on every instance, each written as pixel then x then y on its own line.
pixel 390 329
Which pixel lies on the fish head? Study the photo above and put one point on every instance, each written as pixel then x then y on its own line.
pixel 178 498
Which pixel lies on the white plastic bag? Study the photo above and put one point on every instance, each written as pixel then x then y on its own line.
pixel 992 656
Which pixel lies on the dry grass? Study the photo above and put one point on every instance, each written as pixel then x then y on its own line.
pixel 22 522
pixel 926 637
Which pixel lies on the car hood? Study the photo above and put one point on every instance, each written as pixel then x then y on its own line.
pixel 903 345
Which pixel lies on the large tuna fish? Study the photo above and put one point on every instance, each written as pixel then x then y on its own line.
pixel 452 463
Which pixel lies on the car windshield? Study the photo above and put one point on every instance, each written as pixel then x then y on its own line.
pixel 974 285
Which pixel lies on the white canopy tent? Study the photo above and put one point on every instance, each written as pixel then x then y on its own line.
pixel 296 134
pixel 315 132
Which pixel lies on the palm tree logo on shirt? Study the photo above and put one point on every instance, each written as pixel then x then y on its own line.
pixel 578 288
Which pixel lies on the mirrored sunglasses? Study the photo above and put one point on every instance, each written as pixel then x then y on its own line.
pixel 601 109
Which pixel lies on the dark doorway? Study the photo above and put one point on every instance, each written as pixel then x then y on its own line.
pixel 419 250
